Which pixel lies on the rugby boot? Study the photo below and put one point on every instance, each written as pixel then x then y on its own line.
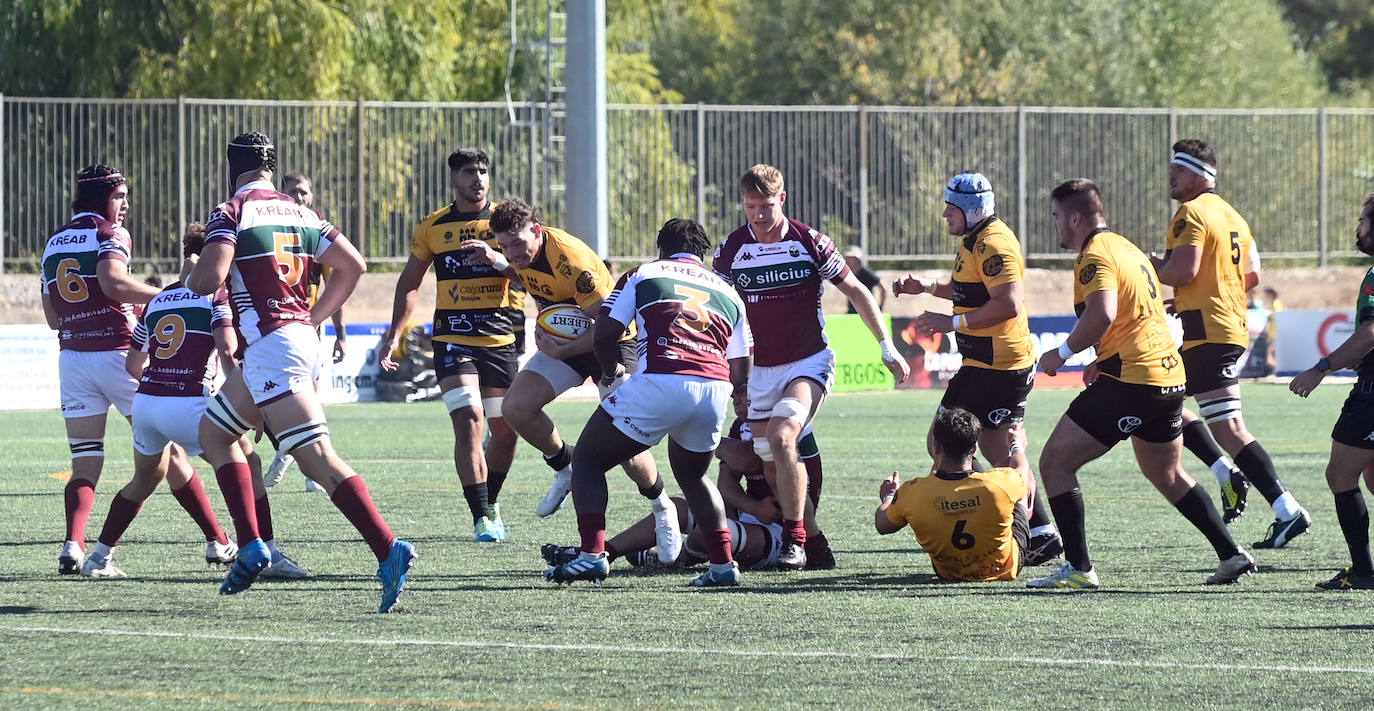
pixel 717 576
pixel 1346 580
pixel 1233 569
pixel 393 571
pixel 1067 577
pixel 1281 532
pixel 1233 494
pixel 592 567
pixel 251 561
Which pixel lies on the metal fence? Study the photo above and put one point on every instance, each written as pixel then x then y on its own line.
pixel 865 175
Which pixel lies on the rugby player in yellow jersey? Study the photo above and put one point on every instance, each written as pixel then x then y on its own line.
pixel 1211 263
pixel 557 268
pixel 475 358
pixel 991 330
pixel 1135 389
pixel 971 523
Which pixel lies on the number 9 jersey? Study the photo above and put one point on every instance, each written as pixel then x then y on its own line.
pixel 178 332
pixel 1138 346
pixel 276 242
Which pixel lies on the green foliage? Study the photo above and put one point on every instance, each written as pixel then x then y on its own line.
pixel 1083 52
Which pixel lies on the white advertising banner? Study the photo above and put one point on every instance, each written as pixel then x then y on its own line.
pixel 1304 337
pixel 29 381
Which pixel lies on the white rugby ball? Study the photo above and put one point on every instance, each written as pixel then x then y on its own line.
pixel 563 322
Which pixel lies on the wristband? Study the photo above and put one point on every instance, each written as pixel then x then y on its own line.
pixel 1324 365
pixel 1014 448
pixel 889 351
pixel 961 322
pixel 1065 351
pixel 888 499
pixel 499 262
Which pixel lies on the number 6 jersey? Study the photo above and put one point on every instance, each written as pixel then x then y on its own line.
pixel 178 332
pixel 276 241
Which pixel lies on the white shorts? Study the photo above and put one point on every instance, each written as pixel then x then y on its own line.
pixel 91 381
pixel 770 558
pixel 768 383
pixel 159 420
pixel 284 361
pixel 688 409
pixel 564 377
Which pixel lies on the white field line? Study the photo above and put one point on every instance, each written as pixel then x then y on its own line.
pixel 664 651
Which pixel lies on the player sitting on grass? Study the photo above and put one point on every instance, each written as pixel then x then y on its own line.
pixel 972 524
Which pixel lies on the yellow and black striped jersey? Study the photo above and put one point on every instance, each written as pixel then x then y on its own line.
pixel 1138 346
pixel 1213 306
pixel 987 259
pixel 473 300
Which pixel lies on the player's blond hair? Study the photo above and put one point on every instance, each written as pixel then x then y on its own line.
pixel 761 179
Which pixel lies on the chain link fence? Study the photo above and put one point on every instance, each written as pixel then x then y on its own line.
pixel 865 175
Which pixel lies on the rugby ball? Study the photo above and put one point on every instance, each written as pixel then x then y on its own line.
pixel 563 322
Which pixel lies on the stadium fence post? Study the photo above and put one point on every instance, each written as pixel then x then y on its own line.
pixel 701 163
pixel 1322 185
pixel 4 155
pixel 1021 172
pixel 862 117
pixel 181 162
pixel 361 239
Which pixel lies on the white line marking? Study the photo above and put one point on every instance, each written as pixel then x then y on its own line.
pixel 903 657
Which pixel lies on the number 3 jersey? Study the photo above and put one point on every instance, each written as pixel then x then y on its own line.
pixel 87 318
pixel 690 321
pixel 178 333
pixel 276 242
pixel 1212 306
pixel 964 521
pixel 1138 346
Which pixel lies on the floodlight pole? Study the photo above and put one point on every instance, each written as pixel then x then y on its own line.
pixel 588 188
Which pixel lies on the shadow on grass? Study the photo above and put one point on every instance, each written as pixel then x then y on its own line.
pixel 1322 628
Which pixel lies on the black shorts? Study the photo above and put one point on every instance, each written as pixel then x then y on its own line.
pixel 1111 411
pixel 1020 532
pixel 587 366
pixel 494 366
pixel 1355 426
pixel 997 397
pixel 1212 366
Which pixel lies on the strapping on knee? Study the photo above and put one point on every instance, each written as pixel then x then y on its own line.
pixel 492 407
pixel 222 413
pixel 461 397
pixel 301 435
pixel 1220 409
pixel 86 446
pixel 790 408
pixel 763 449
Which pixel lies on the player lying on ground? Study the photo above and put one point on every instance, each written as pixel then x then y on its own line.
pixel 751 510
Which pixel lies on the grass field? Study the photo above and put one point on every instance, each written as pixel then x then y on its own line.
pixel 480 629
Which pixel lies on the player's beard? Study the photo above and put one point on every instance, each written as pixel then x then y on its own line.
pixel 1365 244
